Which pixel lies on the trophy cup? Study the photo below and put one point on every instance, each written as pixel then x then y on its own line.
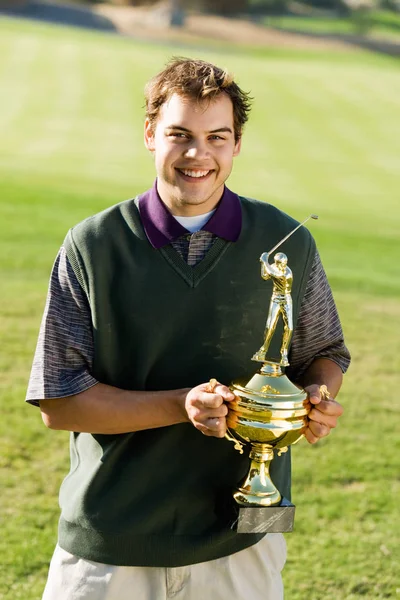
pixel 268 413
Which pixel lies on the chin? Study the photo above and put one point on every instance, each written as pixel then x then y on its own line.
pixel 191 198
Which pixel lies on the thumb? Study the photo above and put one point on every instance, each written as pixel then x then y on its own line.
pixel 313 393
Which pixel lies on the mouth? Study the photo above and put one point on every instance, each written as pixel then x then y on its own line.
pixel 194 174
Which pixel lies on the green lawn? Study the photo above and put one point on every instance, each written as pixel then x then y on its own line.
pixel 379 24
pixel 324 137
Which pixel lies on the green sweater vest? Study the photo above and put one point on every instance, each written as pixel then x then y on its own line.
pixel 159 497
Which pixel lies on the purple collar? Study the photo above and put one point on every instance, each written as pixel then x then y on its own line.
pixel 161 228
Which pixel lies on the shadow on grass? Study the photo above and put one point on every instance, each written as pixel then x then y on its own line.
pixel 63 14
pixel 374 45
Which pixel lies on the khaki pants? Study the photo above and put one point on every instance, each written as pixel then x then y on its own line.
pixel 252 574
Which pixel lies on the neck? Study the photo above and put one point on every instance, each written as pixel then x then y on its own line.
pixel 181 208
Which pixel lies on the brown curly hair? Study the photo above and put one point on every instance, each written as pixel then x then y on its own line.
pixel 199 80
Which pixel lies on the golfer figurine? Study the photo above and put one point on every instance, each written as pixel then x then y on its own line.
pixel 281 304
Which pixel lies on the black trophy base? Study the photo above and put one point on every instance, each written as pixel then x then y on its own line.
pixel 265 519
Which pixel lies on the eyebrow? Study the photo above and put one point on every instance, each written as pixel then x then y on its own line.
pixel 219 130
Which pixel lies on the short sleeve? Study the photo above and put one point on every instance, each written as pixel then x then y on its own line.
pixel 64 354
pixel 318 332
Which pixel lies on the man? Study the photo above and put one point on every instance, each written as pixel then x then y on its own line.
pixel 148 300
pixel 281 304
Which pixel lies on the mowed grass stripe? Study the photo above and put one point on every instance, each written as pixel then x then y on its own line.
pixel 116 132
pixel 18 57
pixel 60 98
pixel 349 124
pixel 48 110
pixel 355 136
pixel 315 134
pixel 64 127
pixel 310 131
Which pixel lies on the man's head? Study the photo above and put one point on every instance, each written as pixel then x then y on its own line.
pixel 280 260
pixel 198 81
pixel 194 119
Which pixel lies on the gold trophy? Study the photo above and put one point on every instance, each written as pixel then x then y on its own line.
pixel 268 413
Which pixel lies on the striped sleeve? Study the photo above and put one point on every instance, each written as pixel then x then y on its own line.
pixel 64 354
pixel 318 333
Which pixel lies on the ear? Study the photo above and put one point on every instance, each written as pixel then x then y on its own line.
pixel 238 147
pixel 149 136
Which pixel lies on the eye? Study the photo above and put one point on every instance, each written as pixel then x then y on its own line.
pixel 216 137
pixel 177 135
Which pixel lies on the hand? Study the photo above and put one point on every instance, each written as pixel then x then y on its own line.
pixel 207 410
pixel 323 414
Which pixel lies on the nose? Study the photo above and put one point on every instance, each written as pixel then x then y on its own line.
pixel 196 149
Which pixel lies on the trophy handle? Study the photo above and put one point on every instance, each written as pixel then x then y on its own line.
pixel 298 439
pixel 238 445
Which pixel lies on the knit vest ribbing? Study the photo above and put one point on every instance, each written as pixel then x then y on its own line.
pixel 159 497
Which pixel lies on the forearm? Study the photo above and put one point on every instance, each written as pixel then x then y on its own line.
pixel 265 272
pixel 109 410
pixel 323 371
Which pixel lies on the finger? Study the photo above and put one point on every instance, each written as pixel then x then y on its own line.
pixel 213 427
pixel 313 393
pixel 316 415
pixel 310 437
pixel 208 400
pixel 319 429
pixel 314 396
pixel 330 407
pixel 202 414
pixel 225 392
pixel 214 387
pixel 215 424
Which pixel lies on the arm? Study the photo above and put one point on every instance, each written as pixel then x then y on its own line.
pixel 323 371
pixel 70 398
pixel 109 410
pixel 318 353
pixel 265 274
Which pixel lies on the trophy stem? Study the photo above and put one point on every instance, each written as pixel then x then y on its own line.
pixel 270 368
pixel 258 489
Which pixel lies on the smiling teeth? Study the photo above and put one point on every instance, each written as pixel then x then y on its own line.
pixel 195 173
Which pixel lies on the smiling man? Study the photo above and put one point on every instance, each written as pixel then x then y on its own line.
pixel 148 300
pixel 194 145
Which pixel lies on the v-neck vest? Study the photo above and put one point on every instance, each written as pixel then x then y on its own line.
pixel 159 497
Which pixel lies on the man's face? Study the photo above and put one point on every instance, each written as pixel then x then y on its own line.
pixel 282 264
pixel 193 145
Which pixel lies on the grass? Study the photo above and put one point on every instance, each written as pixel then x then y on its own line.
pixel 378 23
pixel 323 137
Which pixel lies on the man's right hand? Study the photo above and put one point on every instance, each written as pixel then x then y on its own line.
pixel 207 410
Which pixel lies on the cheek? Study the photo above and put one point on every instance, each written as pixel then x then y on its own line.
pixel 226 160
pixel 161 159
pixel 165 155
pixel 164 161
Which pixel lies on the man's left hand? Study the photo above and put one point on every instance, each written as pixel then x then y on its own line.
pixel 323 414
